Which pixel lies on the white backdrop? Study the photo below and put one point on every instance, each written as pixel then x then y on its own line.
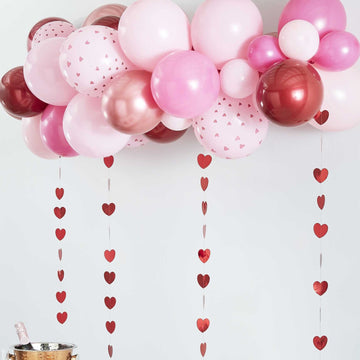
pixel 261 212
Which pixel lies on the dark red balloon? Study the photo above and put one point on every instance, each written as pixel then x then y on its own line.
pixel 109 21
pixel 161 134
pixel 290 93
pixel 16 97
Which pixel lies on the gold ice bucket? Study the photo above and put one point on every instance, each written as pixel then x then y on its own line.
pixel 43 351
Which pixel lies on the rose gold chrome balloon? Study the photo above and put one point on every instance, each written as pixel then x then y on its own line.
pixel 106 10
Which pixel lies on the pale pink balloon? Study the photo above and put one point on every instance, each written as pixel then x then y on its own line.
pixel 105 10
pixel 152 29
pixel 91 57
pixel 341 99
pixel 137 141
pixel 87 130
pixel 32 138
pixel 175 123
pixel 223 29
pixel 238 79
pixel 232 128
pixel 54 29
pixel 43 76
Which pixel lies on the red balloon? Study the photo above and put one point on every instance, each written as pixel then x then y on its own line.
pixel 16 97
pixel 109 21
pixel 161 134
pixel 290 93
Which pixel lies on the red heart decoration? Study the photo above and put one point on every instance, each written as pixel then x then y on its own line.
pixel 320 288
pixel 203 349
pixel 320 343
pixel 60 254
pixel 62 317
pixel 203 324
pixel 204 183
pixel 204 161
pixel 59 212
pixel 109 161
pixel 110 350
pixel 204 207
pixel 59 193
pixel 110 302
pixel 60 233
pixel 61 296
pixel 108 209
pixel 204 231
pixel 110 326
pixel 61 275
pixel 322 117
pixel 320 230
pixel 109 255
pixel 321 175
pixel 203 280
pixel 321 201
pixel 204 255
pixel 109 277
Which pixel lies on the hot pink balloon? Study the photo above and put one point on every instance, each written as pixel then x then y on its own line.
pixel 43 76
pixel 52 131
pixel 87 130
pixel 223 29
pixel 137 141
pixel 91 57
pixel 105 10
pixel 232 128
pixel 339 50
pixel 325 15
pixel 32 138
pixel 185 84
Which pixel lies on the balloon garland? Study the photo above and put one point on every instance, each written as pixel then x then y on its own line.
pixel 86 91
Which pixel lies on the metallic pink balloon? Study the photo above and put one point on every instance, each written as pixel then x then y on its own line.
pixel 128 103
pixel 106 10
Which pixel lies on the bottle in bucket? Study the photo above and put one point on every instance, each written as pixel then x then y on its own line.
pixel 23 336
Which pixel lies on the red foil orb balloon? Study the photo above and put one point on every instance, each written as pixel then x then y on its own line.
pixel 161 134
pixel 109 21
pixel 290 93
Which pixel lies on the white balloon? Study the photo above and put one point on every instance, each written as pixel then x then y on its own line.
pixel 175 123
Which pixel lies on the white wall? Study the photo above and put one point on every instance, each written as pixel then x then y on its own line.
pixel 261 212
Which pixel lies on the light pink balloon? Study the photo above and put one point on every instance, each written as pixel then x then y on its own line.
pixel 43 76
pixel 152 29
pixel 54 29
pixel 238 79
pixel 223 29
pixel 105 10
pixel 137 141
pixel 232 128
pixel 341 99
pixel 87 130
pixel 175 123
pixel 32 138
pixel 91 57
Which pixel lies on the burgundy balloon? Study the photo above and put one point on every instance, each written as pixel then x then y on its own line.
pixel 290 93
pixel 162 134
pixel 109 21
pixel 16 97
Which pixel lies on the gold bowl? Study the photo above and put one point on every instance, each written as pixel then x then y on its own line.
pixel 43 351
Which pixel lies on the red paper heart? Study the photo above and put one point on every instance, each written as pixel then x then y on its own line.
pixel 109 161
pixel 321 201
pixel 60 254
pixel 320 343
pixel 204 161
pixel 61 275
pixel 109 255
pixel 108 209
pixel 110 326
pixel 204 206
pixel 204 231
pixel 320 288
pixel 322 117
pixel 204 255
pixel 109 277
pixel 320 230
pixel 203 280
pixel 110 350
pixel 60 233
pixel 59 212
pixel 203 349
pixel 204 183
pixel 59 193
pixel 321 175
pixel 110 302
pixel 203 324
pixel 61 296
pixel 62 317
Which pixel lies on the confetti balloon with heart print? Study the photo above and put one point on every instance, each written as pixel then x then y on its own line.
pixel 137 141
pixel 232 128
pixel 91 57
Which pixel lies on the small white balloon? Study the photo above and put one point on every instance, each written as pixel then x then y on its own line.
pixel 299 39
pixel 175 123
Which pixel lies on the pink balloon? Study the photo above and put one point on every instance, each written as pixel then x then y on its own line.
pixel 52 131
pixel 152 29
pixel 174 123
pixel 339 50
pixel 232 128
pixel 325 15
pixel 185 84
pixel 32 138
pixel 91 57
pixel 54 29
pixel 137 141
pixel 223 29
pixel 87 130
pixel 43 76
pixel 105 10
